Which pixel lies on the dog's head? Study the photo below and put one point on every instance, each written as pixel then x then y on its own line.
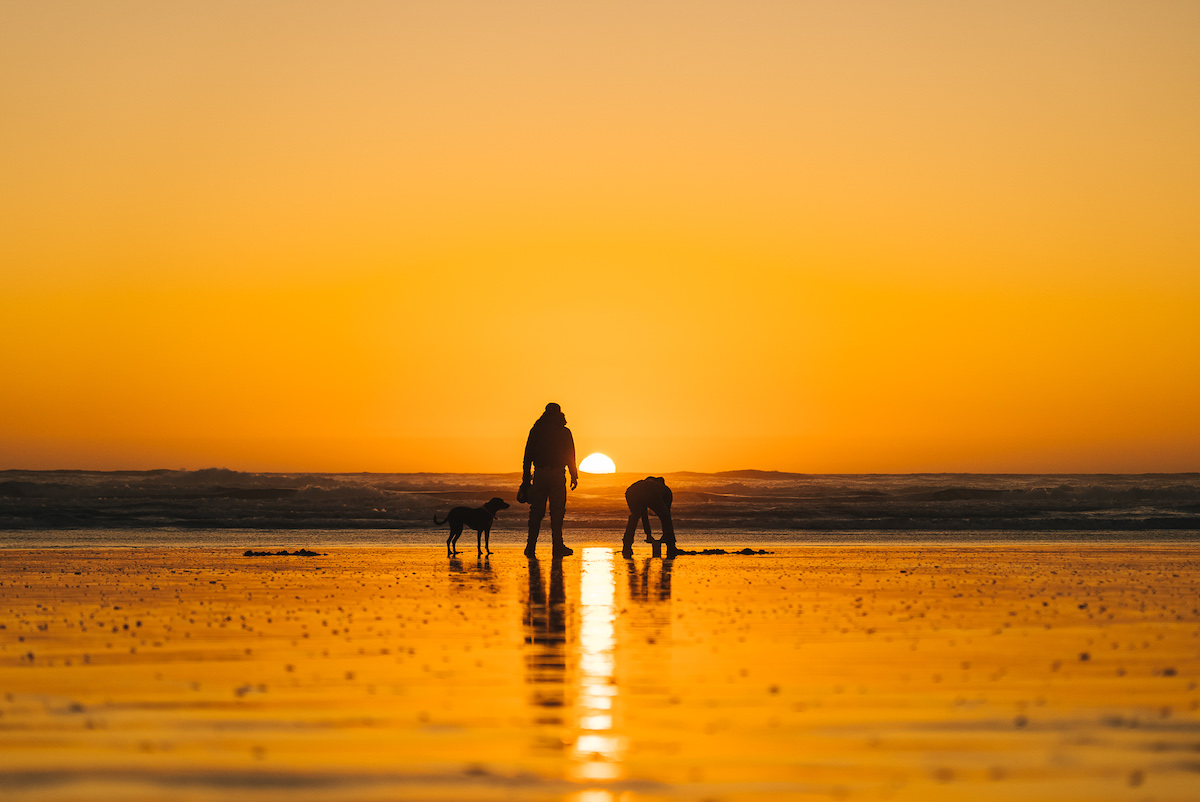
pixel 495 505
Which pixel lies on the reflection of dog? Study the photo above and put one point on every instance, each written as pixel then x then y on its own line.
pixel 480 519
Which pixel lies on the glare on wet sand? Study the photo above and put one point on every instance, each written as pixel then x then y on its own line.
pixel 905 672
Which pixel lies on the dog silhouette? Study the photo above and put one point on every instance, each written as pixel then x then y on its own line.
pixel 478 518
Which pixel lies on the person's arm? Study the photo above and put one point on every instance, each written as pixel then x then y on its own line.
pixel 668 526
pixel 526 474
pixel 664 513
pixel 571 460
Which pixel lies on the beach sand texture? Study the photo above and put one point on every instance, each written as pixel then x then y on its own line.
pixel 1058 671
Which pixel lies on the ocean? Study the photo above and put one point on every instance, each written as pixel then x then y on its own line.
pixel 225 508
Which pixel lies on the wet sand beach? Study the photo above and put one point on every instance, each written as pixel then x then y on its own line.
pixel 921 671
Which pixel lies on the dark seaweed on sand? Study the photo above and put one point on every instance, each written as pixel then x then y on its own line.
pixel 282 553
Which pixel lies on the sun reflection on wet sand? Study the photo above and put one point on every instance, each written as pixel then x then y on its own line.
pixel 597 795
pixel 597 750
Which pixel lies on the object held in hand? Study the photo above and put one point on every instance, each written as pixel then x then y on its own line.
pixel 523 493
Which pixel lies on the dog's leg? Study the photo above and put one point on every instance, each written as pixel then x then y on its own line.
pixel 449 538
pixel 487 540
pixel 478 539
pixel 455 534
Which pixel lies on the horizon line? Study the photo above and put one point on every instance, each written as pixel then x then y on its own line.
pixel 735 471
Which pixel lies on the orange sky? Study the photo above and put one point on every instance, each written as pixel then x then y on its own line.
pixel 823 237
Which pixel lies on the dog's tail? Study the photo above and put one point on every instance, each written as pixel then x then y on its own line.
pixel 439 523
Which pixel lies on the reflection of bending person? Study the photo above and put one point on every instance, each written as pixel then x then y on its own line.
pixel 550 450
pixel 642 588
pixel 643 497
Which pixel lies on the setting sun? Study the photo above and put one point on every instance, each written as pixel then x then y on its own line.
pixel 597 463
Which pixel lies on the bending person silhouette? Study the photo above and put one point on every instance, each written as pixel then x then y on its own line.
pixel 549 450
pixel 643 497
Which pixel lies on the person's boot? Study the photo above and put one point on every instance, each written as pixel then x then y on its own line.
pixel 627 551
pixel 560 548
pixel 530 551
pixel 531 543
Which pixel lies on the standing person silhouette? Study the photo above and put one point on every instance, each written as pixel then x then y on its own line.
pixel 549 449
pixel 643 497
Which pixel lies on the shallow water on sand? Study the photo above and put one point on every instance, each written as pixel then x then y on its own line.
pixel 291 539
pixel 918 671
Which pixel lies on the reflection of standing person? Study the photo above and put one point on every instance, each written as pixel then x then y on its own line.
pixel 545 624
pixel 549 450
pixel 643 497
